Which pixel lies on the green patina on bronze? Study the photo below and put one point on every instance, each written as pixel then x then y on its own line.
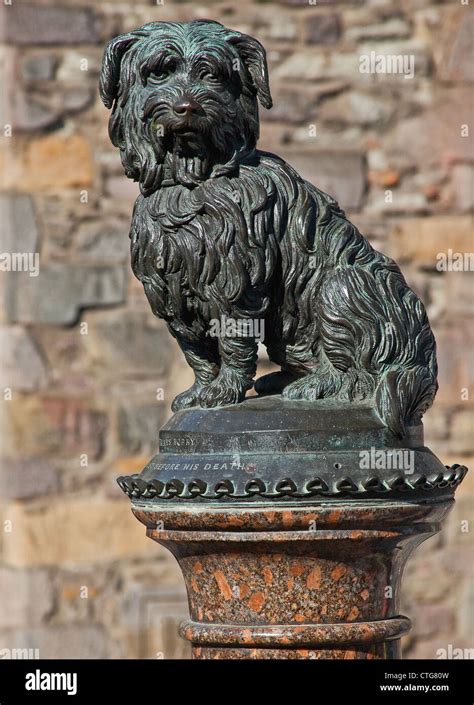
pixel 223 232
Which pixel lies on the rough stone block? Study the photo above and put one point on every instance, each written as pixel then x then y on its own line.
pixel 27 597
pixel 152 617
pixel 394 28
pixel 33 24
pixel 28 115
pixel 463 187
pixel 436 135
pixel 73 641
pixel 76 99
pixel 39 67
pixel 138 425
pixel 323 29
pixel 19 232
pixel 424 239
pixel 26 478
pixel 132 341
pixel 65 427
pixel 292 107
pixel 455 45
pixel 60 291
pixel 425 582
pixel 462 431
pixel 309 66
pixel 431 620
pixel 466 611
pixel 121 188
pixel 341 174
pixel 73 531
pixel 74 427
pixel 55 162
pixel 455 344
pixel 58 161
pixel 21 365
pixel 107 241
pixel 357 108
pixel 305 3
pixel 452 295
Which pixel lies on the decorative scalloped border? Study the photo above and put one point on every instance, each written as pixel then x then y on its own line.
pixel 136 488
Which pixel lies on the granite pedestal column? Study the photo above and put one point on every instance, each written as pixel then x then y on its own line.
pixel 292 523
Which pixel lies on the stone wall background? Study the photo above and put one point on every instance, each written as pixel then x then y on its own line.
pixel 84 365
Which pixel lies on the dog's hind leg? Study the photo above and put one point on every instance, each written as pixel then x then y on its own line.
pixel 205 369
pixel 376 344
pixel 343 371
pixel 328 381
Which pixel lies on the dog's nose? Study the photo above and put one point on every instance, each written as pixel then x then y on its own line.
pixel 186 106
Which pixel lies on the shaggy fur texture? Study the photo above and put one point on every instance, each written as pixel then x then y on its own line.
pixel 224 230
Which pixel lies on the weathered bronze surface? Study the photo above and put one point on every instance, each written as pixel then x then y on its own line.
pixel 272 448
pixel 230 239
pixel 291 514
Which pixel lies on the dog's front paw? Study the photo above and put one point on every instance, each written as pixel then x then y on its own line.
pixel 187 399
pixel 227 388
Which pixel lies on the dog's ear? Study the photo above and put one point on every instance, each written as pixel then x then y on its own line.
pixel 254 57
pixel 110 73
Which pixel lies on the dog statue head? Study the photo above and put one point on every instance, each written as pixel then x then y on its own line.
pixel 184 100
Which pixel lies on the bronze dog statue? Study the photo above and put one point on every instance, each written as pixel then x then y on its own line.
pixel 224 232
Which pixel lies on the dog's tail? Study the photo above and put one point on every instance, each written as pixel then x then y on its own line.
pixel 375 326
pixel 407 386
pixel 403 395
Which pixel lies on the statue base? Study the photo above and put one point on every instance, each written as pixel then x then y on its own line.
pixel 292 522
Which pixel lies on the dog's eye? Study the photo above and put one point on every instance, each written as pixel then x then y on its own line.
pixel 162 73
pixel 209 77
